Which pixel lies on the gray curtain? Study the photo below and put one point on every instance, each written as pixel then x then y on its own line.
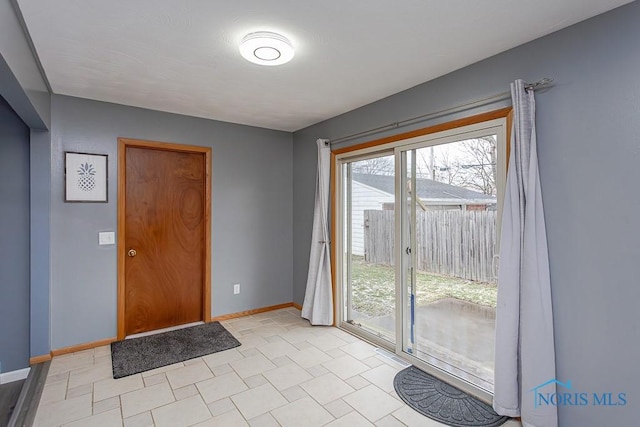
pixel 525 352
pixel 318 299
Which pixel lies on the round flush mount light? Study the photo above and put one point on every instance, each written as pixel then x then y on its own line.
pixel 266 48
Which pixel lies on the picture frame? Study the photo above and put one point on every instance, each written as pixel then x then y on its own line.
pixel 85 177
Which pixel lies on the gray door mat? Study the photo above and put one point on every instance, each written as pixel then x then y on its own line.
pixel 137 355
pixel 442 402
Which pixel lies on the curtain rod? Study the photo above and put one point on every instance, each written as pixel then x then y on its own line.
pixel 540 84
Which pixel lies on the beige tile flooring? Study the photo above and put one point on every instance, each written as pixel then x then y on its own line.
pixel 285 373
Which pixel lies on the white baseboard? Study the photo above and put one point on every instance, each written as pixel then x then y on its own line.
pixel 9 377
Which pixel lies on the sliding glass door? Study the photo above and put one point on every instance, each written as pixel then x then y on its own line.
pixel 449 241
pixel 417 248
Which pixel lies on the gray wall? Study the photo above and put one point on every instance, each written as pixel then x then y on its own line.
pixel 251 214
pixel 589 147
pixel 40 162
pixel 14 245
pixel 24 89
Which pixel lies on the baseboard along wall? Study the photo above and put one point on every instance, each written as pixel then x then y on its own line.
pixel 11 376
pixel 86 346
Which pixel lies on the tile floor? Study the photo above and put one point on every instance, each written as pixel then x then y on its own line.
pixel 286 373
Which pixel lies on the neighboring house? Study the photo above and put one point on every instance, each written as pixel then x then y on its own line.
pixel 364 197
pixel 433 194
pixel 376 192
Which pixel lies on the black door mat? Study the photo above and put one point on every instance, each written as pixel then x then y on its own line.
pixel 442 402
pixel 154 351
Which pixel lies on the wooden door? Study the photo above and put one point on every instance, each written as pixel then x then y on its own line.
pixel 165 237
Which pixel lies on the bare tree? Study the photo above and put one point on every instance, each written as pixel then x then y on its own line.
pixel 440 167
pixel 375 166
pixel 481 171
pixel 470 164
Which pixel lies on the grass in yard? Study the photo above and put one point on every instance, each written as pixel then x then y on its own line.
pixel 373 289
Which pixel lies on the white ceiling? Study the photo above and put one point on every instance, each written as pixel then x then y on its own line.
pixel 182 56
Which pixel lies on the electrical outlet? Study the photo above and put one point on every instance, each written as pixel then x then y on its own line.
pixel 236 289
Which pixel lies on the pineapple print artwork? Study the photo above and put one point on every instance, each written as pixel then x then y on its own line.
pixel 86 177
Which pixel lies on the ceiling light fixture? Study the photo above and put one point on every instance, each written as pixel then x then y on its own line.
pixel 266 48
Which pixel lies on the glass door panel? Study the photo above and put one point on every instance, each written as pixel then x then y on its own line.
pixel 368 245
pixel 449 243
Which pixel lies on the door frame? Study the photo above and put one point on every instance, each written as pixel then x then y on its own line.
pixel 123 144
pixel 378 144
pixel 372 148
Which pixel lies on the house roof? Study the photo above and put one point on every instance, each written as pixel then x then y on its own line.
pixel 428 189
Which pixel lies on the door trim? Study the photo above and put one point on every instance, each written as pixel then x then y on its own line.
pixel 123 143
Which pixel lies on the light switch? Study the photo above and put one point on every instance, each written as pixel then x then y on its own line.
pixel 106 238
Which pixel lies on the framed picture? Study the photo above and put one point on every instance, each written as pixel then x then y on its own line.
pixel 85 177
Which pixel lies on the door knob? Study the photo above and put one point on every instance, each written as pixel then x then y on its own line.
pixel 132 252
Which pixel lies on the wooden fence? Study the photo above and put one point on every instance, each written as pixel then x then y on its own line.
pixel 450 242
